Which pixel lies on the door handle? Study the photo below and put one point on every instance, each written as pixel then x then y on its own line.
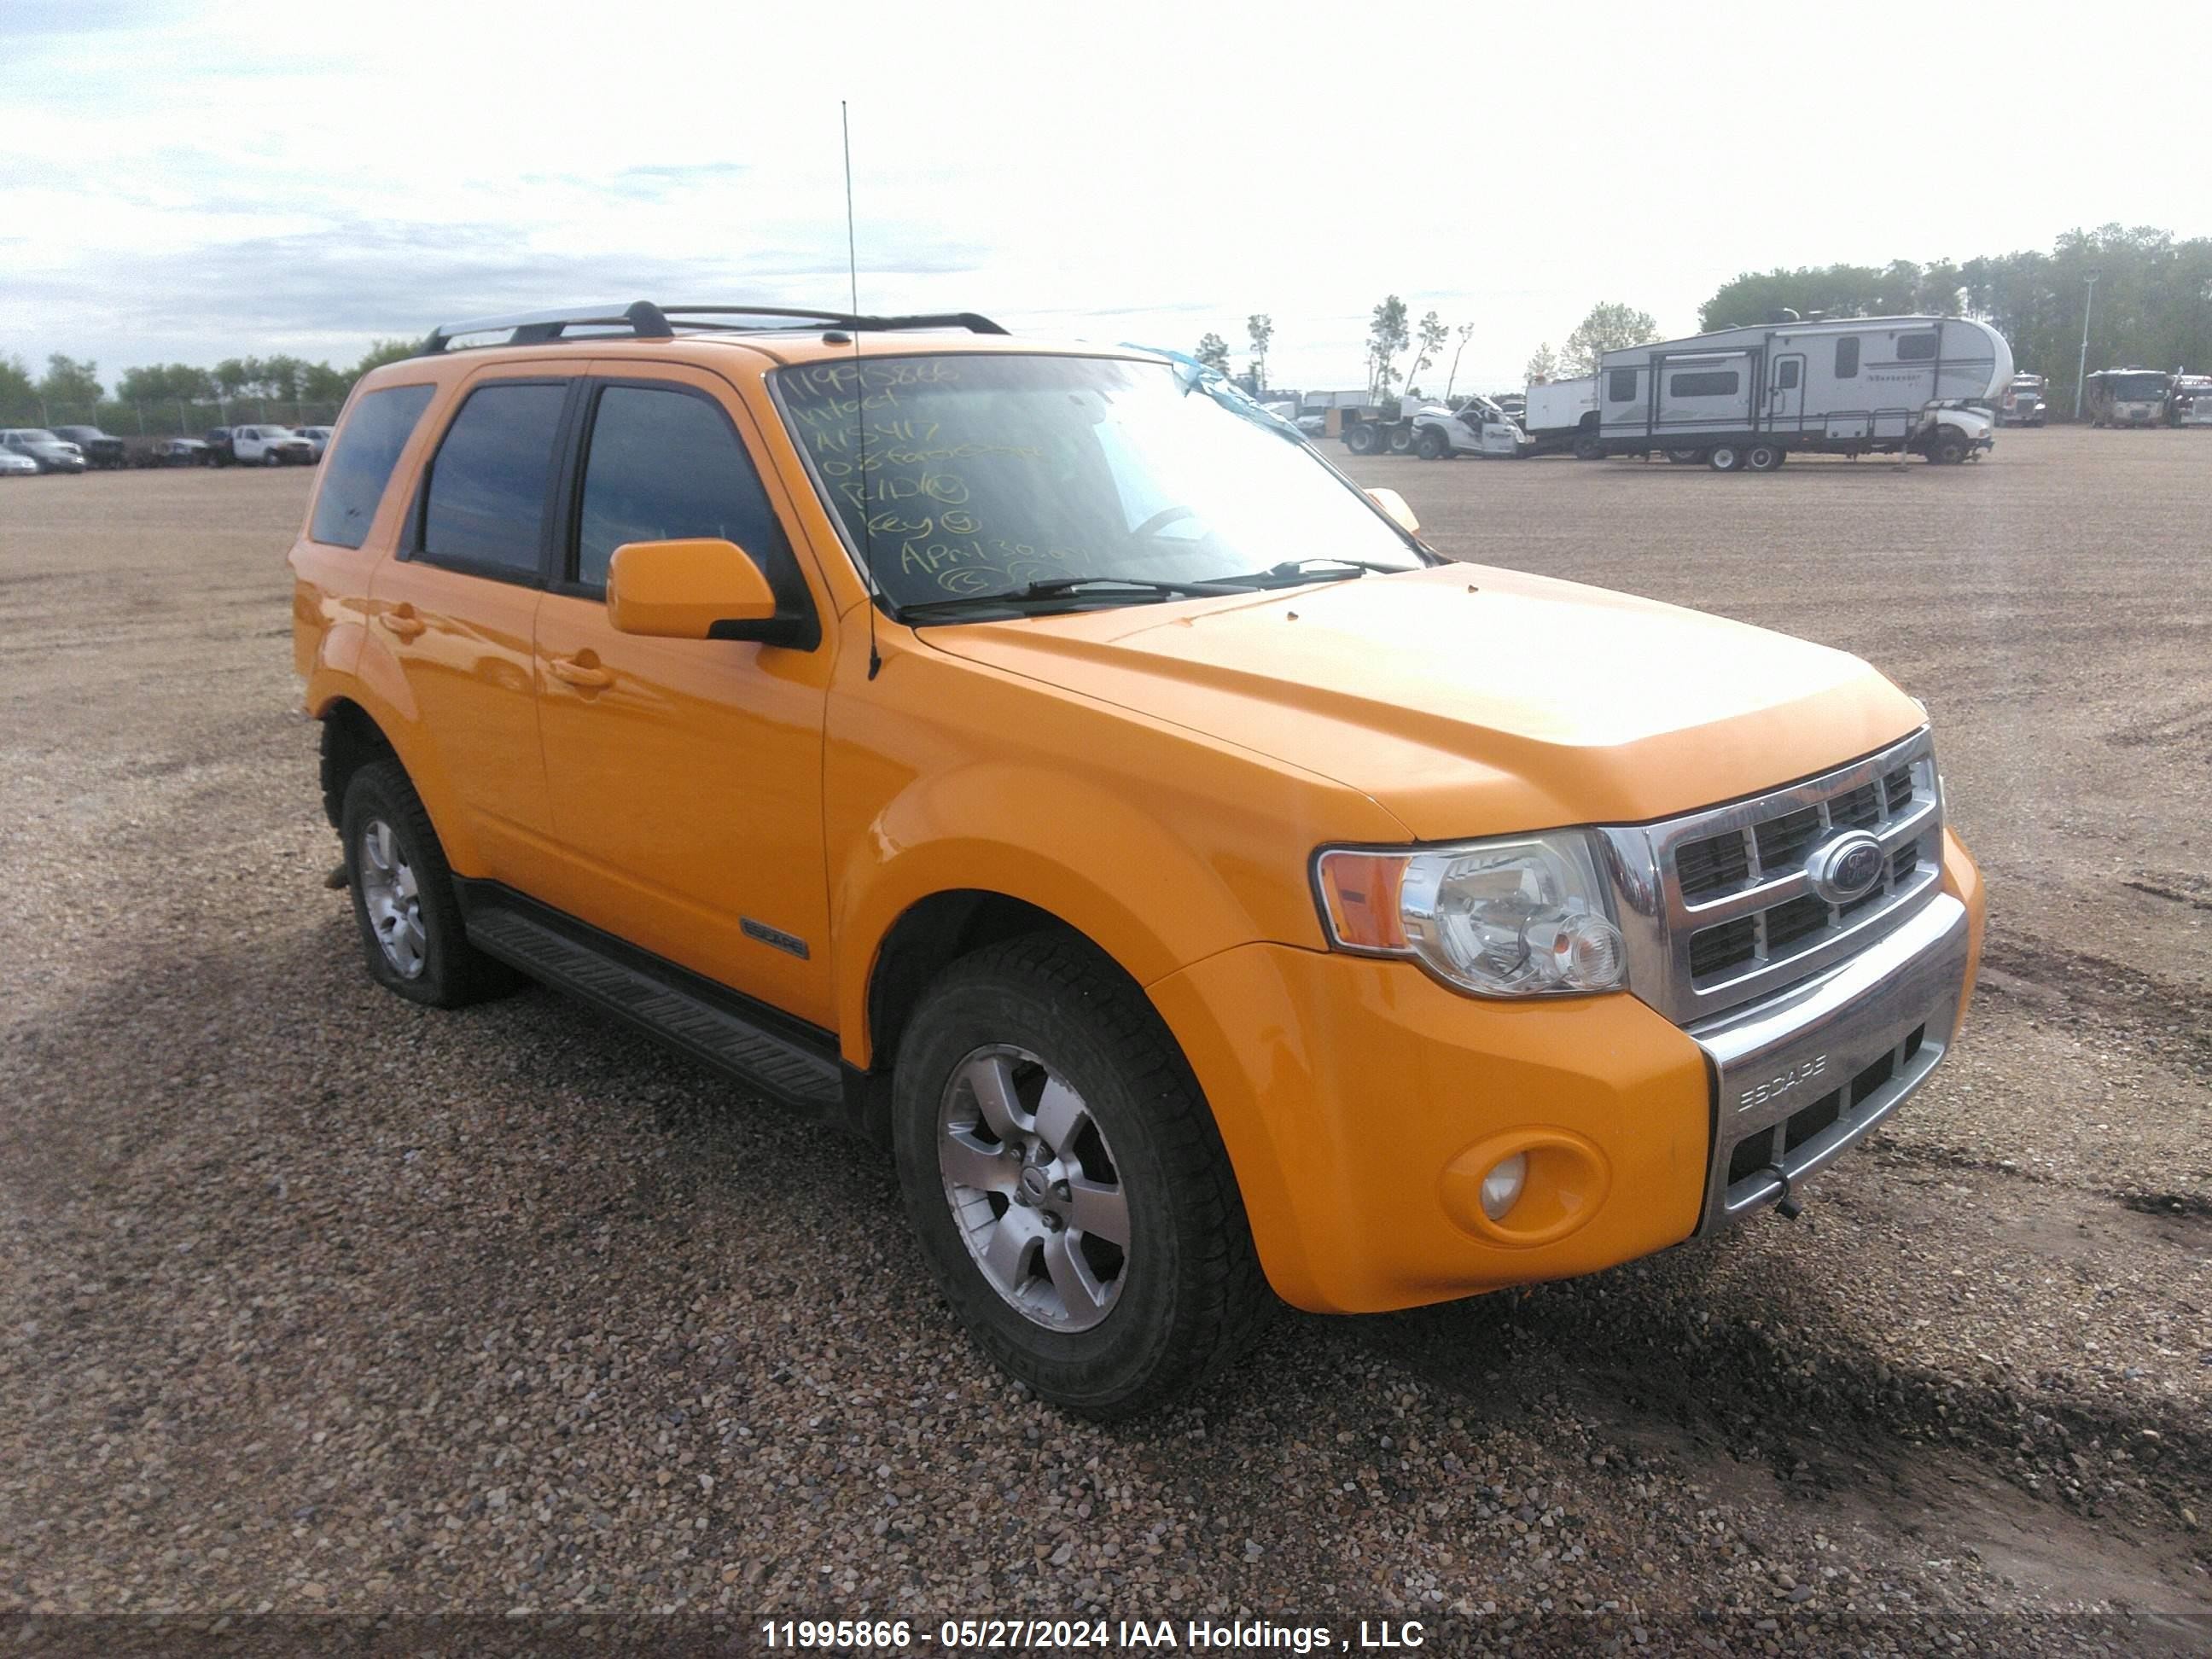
pixel 402 620
pixel 585 677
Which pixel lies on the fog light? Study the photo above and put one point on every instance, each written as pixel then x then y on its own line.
pixel 1501 1188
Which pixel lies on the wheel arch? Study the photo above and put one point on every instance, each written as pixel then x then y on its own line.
pixel 366 712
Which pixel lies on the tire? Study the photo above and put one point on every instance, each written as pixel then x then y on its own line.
pixel 271 457
pixel 1588 446
pixel 1765 458
pixel 1432 445
pixel 1401 441
pixel 1950 446
pixel 1725 458
pixel 1686 457
pixel 1360 439
pixel 1181 1296
pixel 411 925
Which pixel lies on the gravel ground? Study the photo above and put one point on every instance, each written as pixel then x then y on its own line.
pixel 314 1302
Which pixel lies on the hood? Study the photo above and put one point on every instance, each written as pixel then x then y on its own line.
pixel 1471 700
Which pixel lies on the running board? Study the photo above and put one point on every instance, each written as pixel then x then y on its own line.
pixel 683 1010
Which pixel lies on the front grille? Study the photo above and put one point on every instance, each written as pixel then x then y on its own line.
pixel 1733 914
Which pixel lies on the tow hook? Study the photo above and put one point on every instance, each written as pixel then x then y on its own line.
pixel 1787 1206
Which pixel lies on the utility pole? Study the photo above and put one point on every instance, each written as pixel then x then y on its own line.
pixel 2081 369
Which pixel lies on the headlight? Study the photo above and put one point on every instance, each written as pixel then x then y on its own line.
pixel 1526 915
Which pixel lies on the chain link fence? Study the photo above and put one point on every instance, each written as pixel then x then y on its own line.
pixel 171 418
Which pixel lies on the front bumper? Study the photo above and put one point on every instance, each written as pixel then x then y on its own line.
pixel 1360 1103
pixel 1803 1075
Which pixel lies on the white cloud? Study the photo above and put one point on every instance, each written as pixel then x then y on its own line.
pixel 182 181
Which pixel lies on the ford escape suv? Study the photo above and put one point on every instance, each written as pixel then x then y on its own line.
pixel 1040 759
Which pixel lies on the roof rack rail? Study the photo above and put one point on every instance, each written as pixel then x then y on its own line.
pixel 647 321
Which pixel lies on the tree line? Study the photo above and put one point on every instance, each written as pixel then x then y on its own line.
pixel 159 398
pixel 2152 306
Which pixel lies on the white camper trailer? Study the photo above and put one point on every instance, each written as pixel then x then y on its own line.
pixel 1742 398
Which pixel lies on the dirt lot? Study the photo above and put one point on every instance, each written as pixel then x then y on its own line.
pixel 314 1301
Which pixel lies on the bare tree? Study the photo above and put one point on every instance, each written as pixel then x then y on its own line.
pixel 1428 341
pixel 1464 332
pixel 1385 338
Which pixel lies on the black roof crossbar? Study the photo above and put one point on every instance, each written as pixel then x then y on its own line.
pixel 647 321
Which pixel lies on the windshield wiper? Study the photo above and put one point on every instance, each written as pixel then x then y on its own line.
pixel 1290 572
pixel 1058 587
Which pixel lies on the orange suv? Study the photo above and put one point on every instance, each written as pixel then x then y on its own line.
pixel 1040 761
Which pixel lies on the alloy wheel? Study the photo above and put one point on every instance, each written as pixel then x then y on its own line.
pixel 1034 1189
pixel 388 893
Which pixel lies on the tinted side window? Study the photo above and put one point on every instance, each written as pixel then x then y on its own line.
pixel 664 464
pixel 1620 385
pixel 1915 347
pixel 1785 373
pixel 1847 357
pixel 486 503
pixel 358 467
pixel 1708 383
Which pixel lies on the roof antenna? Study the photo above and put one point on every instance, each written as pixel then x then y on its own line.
pixel 860 396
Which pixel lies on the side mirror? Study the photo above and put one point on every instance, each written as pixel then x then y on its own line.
pixel 693 589
pixel 1401 514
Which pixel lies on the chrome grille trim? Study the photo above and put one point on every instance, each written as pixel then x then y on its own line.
pixel 1659 923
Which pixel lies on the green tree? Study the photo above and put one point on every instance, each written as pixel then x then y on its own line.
pixel 1543 365
pixel 1609 326
pixel 19 399
pixel 381 352
pixel 1213 352
pixel 162 383
pixel 1429 339
pixel 69 384
pixel 1385 338
pixel 1261 328
pixel 1464 332
pixel 321 383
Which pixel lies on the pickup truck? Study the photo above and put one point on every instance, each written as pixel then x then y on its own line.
pixel 101 452
pixel 1043 763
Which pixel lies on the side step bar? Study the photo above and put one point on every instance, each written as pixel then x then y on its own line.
pixel 683 1010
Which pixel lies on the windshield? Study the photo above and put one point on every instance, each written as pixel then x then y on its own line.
pixel 2132 387
pixel 983 474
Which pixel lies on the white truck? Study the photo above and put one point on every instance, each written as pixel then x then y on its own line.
pixel 1416 426
pixel 1563 415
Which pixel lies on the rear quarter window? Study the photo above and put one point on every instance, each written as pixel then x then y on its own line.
pixel 359 465
pixel 484 506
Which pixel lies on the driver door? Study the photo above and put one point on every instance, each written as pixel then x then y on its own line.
pixel 686 775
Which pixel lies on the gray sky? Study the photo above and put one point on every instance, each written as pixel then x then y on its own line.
pixel 189 182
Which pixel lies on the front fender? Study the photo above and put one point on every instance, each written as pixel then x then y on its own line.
pixel 1083 854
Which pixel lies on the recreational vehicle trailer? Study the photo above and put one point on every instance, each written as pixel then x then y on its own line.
pixel 2128 397
pixel 1742 398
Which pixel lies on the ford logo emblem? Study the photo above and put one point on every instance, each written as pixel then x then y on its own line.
pixel 1846 868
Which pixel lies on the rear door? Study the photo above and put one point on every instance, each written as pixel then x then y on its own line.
pixel 457 609
pixel 686 775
